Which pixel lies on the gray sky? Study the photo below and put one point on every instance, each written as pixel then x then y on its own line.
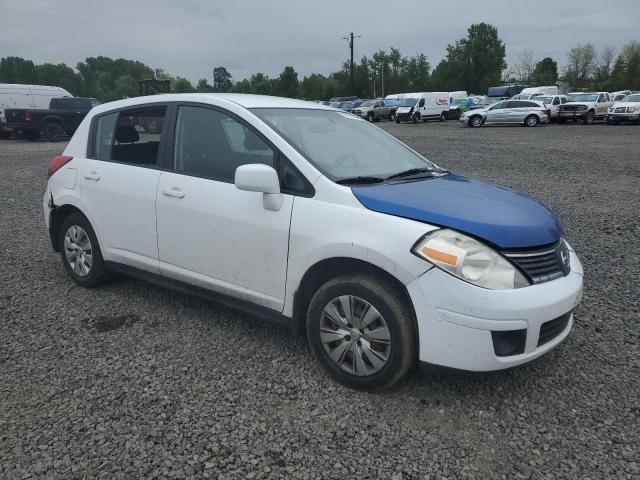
pixel 190 37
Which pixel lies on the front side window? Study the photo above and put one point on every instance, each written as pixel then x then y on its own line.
pixel 129 136
pixel 340 145
pixel 211 144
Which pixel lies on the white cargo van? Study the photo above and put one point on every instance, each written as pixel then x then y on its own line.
pixel 532 92
pixel 427 106
pixel 14 95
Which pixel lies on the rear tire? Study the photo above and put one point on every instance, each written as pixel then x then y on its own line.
pixel 562 121
pixel 81 255
pixel 53 132
pixel 531 121
pixel 362 332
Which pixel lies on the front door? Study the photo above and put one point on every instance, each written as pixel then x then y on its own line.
pixel 211 234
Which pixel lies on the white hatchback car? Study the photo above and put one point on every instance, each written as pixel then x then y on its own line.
pixel 318 220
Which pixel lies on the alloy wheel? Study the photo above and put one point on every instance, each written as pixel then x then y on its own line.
pixel 78 251
pixel 355 336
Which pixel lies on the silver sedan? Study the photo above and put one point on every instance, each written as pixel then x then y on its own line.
pixel 522 112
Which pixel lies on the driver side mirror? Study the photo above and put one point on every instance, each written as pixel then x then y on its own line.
pixel 256 177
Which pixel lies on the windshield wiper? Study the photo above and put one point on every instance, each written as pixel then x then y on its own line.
pixel 414 171
pixel 359 180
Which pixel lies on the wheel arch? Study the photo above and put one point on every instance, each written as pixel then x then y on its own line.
pixel 329 268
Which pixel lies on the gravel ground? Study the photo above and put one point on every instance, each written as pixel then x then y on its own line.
pixel 133 381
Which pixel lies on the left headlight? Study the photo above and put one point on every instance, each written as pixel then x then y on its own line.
pixel 469 260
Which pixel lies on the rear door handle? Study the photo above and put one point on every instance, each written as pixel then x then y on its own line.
pixel 92 176
pixel 173 192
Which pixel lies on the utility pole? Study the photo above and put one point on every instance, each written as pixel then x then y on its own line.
pixel 349 38
pixel 382 75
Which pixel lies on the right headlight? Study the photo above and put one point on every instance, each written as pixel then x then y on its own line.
pixel 469 260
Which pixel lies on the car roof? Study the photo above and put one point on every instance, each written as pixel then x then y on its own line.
pixel 242 99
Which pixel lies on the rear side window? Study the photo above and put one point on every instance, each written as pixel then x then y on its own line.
pixel 211 144
pixel 129 136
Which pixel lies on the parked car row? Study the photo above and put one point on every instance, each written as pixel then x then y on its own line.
pixel 33 111
pixel 531 109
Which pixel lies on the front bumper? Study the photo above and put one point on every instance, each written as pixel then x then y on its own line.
pixel 573 114
pixel 624 117
pixel 403 117
pixel 456 319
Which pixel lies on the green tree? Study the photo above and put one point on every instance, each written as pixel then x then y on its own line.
pixel 60 75
pixel 315 87
pixel 204 86
pixel 474 63
pixel 581 66
pixel 546 72
pixel 287 83
pixel 222 80
pixel 126 86
pixel 182 85
pixel 417 74
pixel 17 70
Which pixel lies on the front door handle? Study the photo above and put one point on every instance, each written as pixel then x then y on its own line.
pixel 173 192
pixel 92 176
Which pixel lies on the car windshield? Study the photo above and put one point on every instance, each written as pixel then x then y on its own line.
pixel 368 103
pixel 347 105
pixel 585 97
pixel 459 101
pixel 632 98
pixel 392 102
pixel 408 102
pixel 340 145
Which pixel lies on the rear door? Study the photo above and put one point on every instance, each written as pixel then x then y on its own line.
pixel 211 234
pixel 119 181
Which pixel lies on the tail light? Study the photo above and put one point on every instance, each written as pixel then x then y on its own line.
pixel 27 116
pixel 548 112
pixel 57 163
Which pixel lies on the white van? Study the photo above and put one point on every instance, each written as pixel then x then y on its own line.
pixel 423 106
pixel 14 95
pixel 532 92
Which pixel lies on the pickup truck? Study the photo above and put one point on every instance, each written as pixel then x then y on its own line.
pixel 586 107
pixel 62 117
pixel 374 110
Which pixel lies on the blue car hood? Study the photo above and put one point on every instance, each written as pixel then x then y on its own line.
pixel 498 215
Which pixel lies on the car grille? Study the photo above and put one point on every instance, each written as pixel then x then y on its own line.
pixel 551 329
pixel 569 108
pixel 542 265
pixel 621 109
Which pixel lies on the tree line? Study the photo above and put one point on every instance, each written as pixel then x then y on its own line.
pixel 472 63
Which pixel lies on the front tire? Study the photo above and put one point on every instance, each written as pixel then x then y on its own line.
pixel 588 120
pixel 475 121
pixel 392 116
pixel 370 117
pixel 443 117
pixel 361 330
pixel 81 255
